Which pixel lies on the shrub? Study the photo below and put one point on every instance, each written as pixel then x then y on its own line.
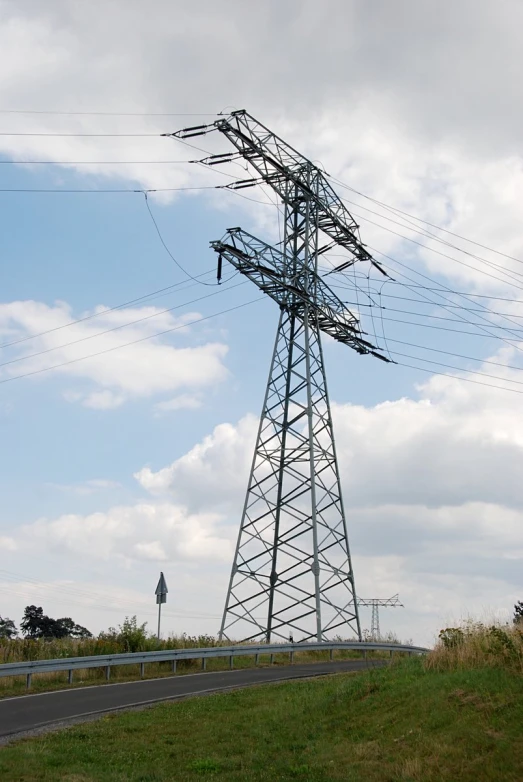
pixel 474 645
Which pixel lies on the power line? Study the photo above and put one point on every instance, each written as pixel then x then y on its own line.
pixel 445 328
pixel 460 369
pixel 456 355
pixel 116 328
pixel 94 192
pixel 92 163
pixel 455 377
pixel 85 135
pixel 151 296
pixel 110 113
pixel 127 344
pixel 169 253
pixel 433 237
pixel 438 252
pixel 426 222
pixel 90 595
pixel 429 315
pixel 464 294
pixel 452 306
pixel 438 293
pixel 438 304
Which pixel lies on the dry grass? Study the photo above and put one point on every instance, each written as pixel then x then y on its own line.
pixel 478 645
pixel 25 649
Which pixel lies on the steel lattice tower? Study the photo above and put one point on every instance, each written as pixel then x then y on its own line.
pixel 375 603
pixel 292 570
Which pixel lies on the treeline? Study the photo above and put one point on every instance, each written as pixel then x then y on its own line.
pixel 41 639
pixel 36 625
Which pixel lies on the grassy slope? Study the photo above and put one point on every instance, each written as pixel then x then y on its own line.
pixel 400 723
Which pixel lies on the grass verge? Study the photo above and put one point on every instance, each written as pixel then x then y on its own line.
pixel 404 723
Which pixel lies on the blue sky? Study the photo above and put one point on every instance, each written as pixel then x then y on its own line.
pixel 105 480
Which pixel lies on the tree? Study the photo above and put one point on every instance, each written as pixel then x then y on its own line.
pixel 518 613
pixel 36 624
pixel 7 628
pixel 70 629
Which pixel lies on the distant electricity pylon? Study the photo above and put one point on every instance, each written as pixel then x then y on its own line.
pixel 375 602
pixel 292 569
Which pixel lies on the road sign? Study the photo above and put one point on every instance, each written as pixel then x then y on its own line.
pixel 161 590
pixel 161 597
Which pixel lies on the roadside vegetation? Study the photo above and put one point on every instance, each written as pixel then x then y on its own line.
pixel 130 636
pixel 409 722
pixel 476 645
pixel 456 713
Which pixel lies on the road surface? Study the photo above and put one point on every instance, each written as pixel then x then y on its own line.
pixel 33 713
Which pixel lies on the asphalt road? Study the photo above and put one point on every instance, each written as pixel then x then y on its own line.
pixel 32 713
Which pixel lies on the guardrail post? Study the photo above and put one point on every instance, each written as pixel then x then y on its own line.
pixel 271 659
pixel 331 655
pixel 391 653
pixel 70 676
pixel 142 670
pixel 28 681
pixel 204 663
pixel 291 658
pixel 174 666
pixel 365 655
pixel 256 659
pixel 231 662
pixel 107 672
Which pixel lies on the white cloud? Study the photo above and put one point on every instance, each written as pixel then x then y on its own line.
pixel 103 400
pixel 432 491
pixel 152 550
pixel 432 485
pixel 86 488
pixel 181 402
pixel 145 531
pixel 213 473
pixel 378 80
pixel 431 488
pixel 102 483
pixel 114 371
pixel 7 544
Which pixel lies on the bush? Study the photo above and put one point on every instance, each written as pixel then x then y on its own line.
pixel 451 637
pixel 474 645
pixel 130 636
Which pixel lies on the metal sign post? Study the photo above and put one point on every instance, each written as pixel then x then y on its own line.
pixel 161 597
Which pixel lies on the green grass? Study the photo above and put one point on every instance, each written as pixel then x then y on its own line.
pixel 403 723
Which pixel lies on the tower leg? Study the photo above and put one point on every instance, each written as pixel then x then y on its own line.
pixel 292 570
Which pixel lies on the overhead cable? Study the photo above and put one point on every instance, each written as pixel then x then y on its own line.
pixel 127 344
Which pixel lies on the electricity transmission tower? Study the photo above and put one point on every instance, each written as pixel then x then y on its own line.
pixel 292 569
pixel 375 602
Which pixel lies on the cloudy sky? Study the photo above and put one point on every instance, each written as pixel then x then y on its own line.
pixel 129 391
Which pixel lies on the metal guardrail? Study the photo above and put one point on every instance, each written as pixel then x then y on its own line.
pixel 72 664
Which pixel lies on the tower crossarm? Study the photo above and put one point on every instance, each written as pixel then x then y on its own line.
pixel 277 163
pixel 390 602
pixel 307 293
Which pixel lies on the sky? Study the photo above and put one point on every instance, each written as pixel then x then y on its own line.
pixel 127 434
